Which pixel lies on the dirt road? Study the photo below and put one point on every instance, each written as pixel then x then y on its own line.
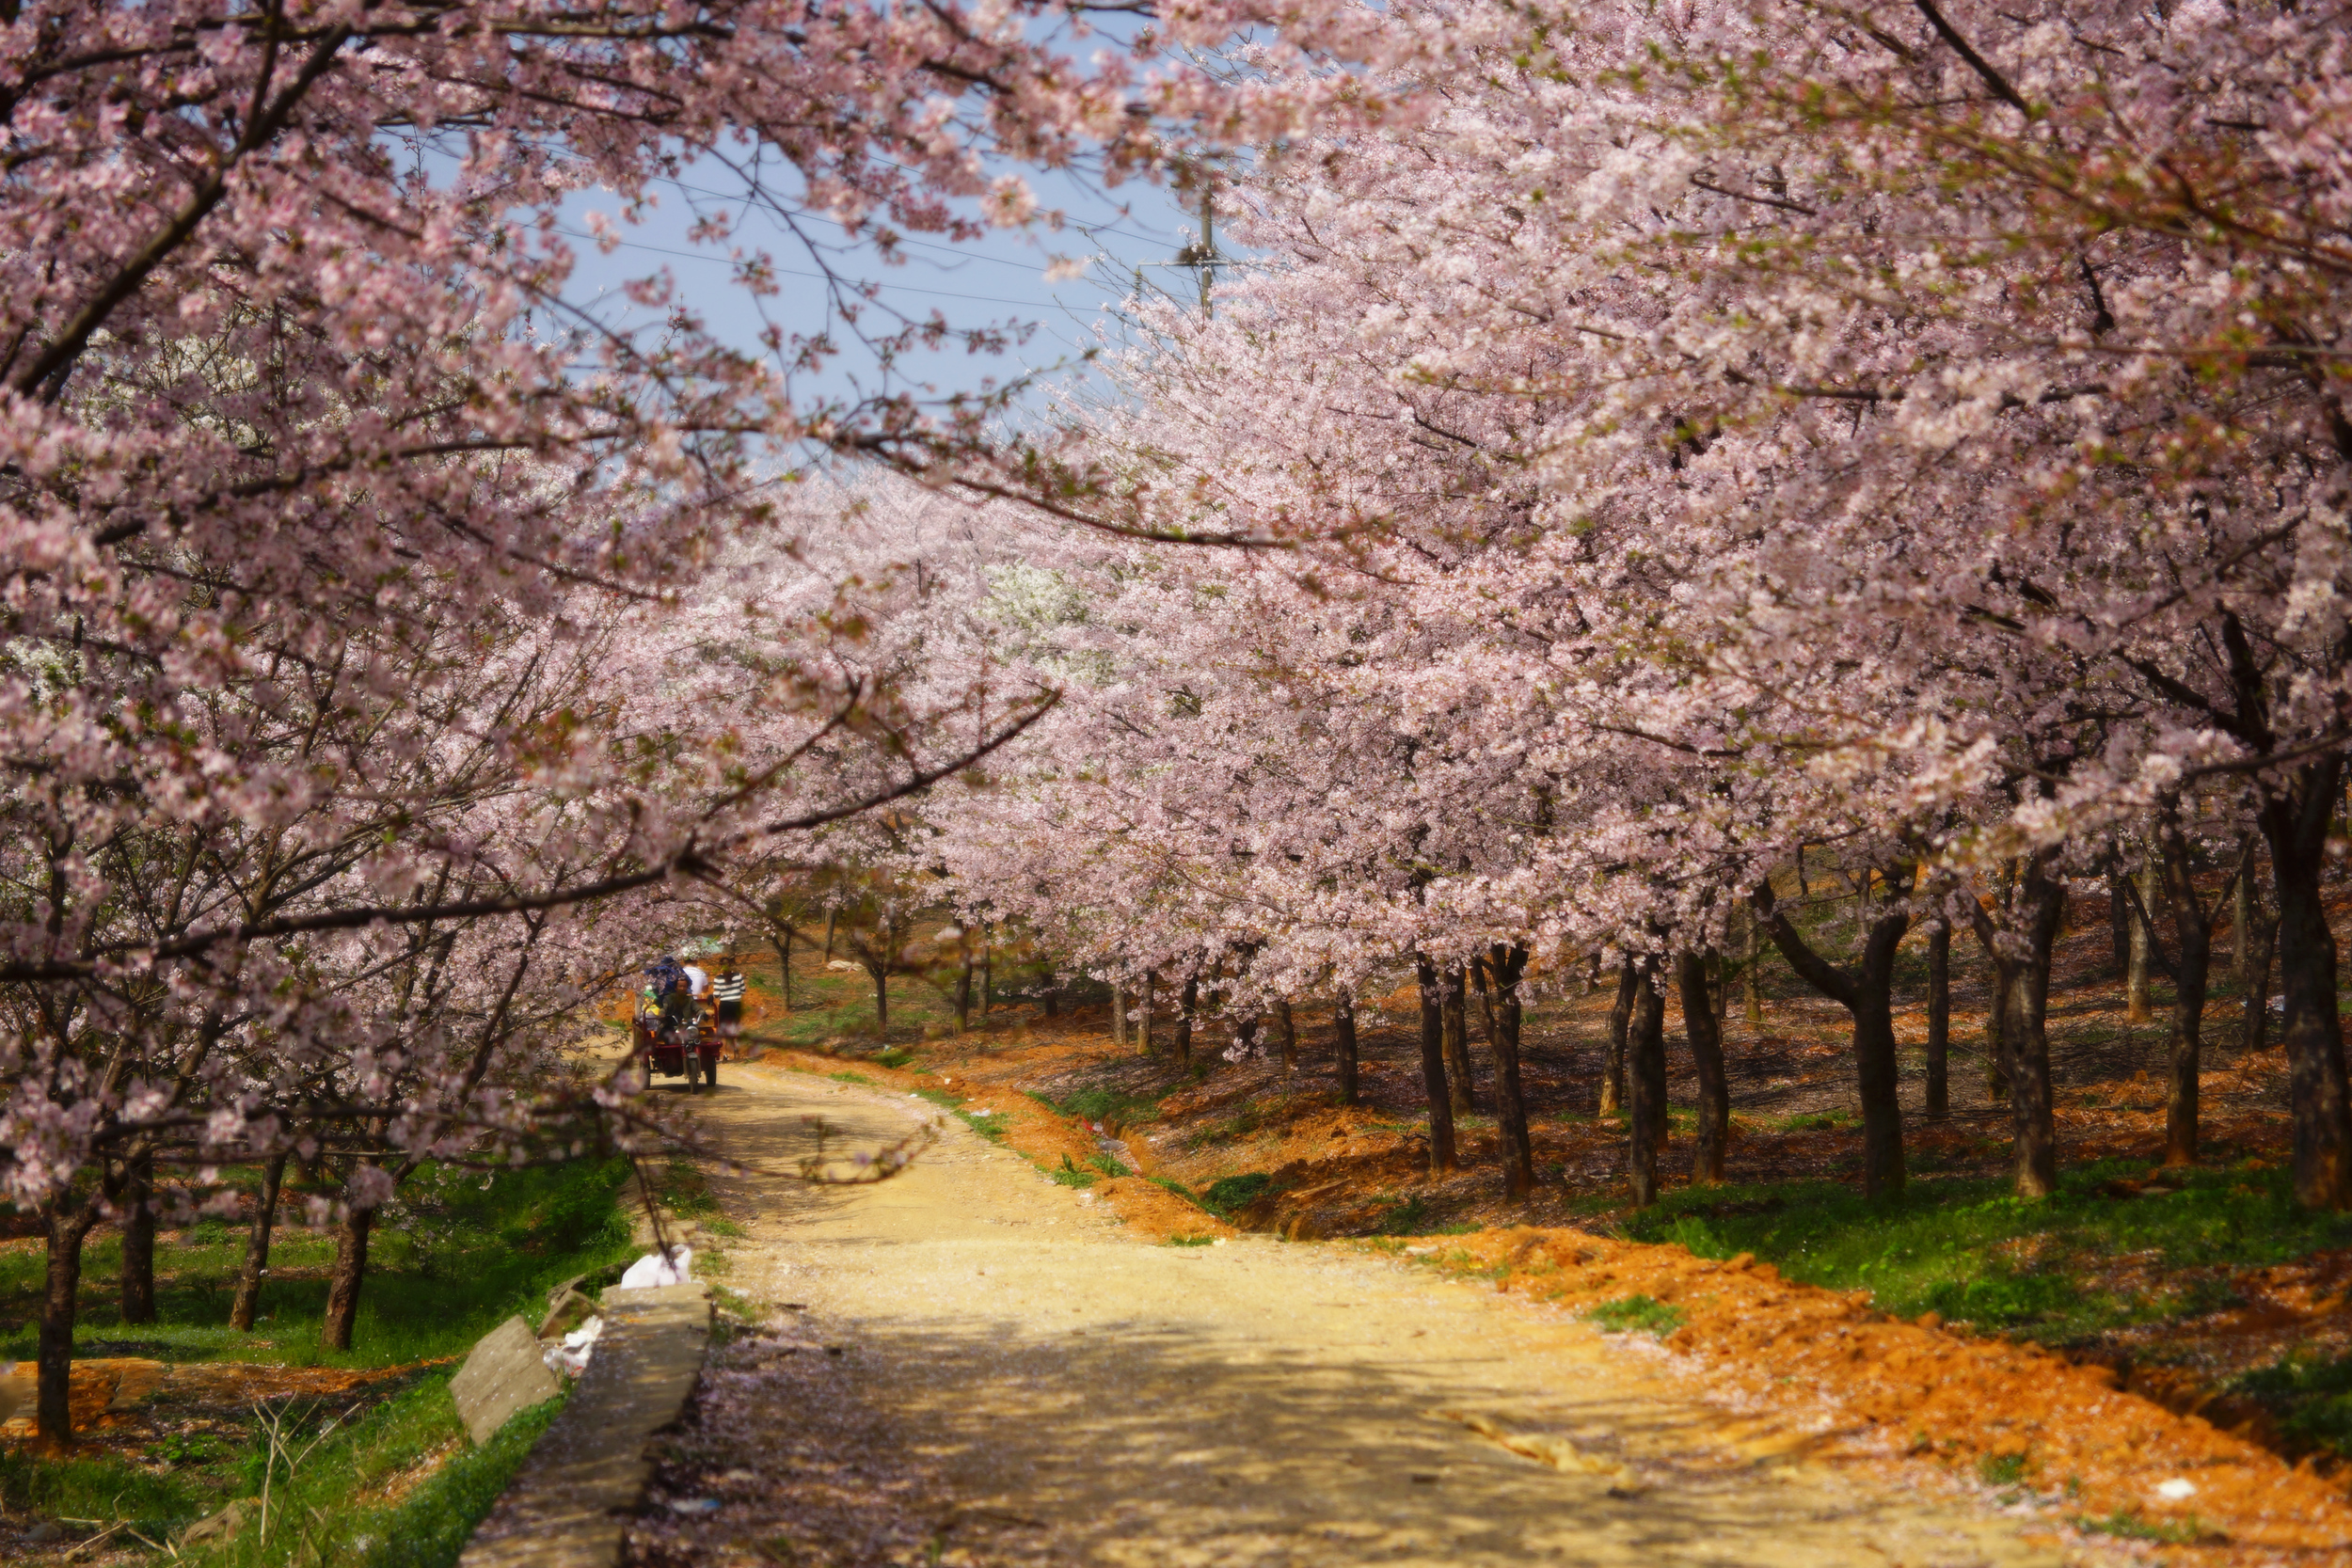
pixel 969 1364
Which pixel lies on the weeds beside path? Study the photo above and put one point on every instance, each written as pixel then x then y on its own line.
pixel 373 1470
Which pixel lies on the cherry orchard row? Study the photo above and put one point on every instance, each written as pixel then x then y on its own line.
pixel 1913 432
pixel 348 739
pixel 1700 432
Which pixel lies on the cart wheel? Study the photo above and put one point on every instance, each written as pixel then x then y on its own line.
pixel 692 1065
pixel 711 1073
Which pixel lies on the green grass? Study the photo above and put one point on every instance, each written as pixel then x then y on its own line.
pixel 112 1489
pixel 429 1528
pixel 332 1510
pixel 1972 1252
pixel 849 1078
pixel 684 1189
pixel 1174 1186
pixel 836 1007
pixel 1413 1217
pixel 2001 1469
pixel 458 1252
pixel 1192 1241
pixel 2131 1527
pixel 988 1127
pixel 1113 1108
pixel 1231 1193
pixel 1816 1121
pixel 455 1253
pixel 1628 1314
pixel 1104 1161
pixel 2311 1397
pixel 1070 1176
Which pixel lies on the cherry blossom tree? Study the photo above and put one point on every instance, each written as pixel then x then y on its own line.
pixel 296 404
pixel 1928 460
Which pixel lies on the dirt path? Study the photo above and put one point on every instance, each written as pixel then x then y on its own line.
pixel 969 1364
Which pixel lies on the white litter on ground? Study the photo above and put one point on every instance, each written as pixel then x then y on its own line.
pixel 652 1269
pixel 2176 1489
pixel 570 1358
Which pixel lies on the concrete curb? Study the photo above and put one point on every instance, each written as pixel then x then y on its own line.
pixel 567 1504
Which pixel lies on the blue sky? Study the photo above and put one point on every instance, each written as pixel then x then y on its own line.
pixel 995 281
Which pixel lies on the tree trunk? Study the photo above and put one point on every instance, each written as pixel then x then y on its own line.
pixel 2035 914
pixel 1053 994
pixel 67 1227
pixel 137 1280
pixel 1613 1064
pixel 2294 820
pixel 2137 1008
pixel 2192 929
pixel 2242 935
pixel 1251 1035
pixel 1996 1034
pixel 1454 1016
pixel 2256 1031
pixel 1660 1123
pixel 1707 1046
pixel 830 917
pixel 882 1000
pixel 1119 1015
pixel 246 1307
pixel 1879 1076
pixel 1519 1149
pixel 1866 991
pixel 1143 1009
pixel 1189 1000
pixel 1441 1156
pixel 1752 969
pixel 784 966
pixel 1478 973
pixel 1343 1032
pixel 988 981
pixel 350 1271
pixel 1286 1033
pixel 2033 1128
pixel 2119 919
pixel 1645 1077
pixel 1939 1023
pixel 963 996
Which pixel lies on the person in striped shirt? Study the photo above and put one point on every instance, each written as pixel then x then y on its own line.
pixel 726 989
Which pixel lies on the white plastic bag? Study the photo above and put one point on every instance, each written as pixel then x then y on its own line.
pixel 652 1269
pixel 570 1358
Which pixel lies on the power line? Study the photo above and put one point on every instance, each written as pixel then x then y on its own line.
pixel 794 272
pixel 1087 229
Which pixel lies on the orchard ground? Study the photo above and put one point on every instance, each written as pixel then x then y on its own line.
pixel 2002 1346
pixel 1938 1323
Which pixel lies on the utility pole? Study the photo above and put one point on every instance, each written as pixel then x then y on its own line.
pixel 1208 248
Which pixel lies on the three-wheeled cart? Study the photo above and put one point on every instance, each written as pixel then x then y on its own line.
pixel 674 1050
